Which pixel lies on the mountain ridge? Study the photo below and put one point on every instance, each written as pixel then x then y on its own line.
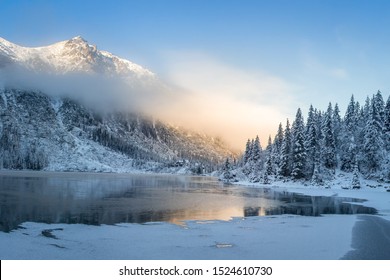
pixel 72 55
pixel 40 130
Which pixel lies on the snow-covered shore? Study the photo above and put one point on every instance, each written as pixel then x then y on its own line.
pixel 263 237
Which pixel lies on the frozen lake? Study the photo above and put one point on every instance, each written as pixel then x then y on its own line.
pixel 95 199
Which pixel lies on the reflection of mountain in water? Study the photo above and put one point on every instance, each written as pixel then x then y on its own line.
pixel 96 199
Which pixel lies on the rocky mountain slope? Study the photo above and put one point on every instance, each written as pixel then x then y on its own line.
pixel 39 130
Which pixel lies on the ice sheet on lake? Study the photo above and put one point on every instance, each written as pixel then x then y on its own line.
pixel 272 237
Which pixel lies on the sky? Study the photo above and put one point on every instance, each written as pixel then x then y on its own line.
pixel 243 65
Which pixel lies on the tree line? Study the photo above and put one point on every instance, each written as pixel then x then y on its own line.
pixel 358 142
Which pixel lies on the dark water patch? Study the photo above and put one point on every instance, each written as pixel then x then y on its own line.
pixel 370 239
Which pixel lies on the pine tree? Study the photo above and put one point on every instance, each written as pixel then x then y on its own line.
pixel 247 154
pixel 310 120
pixel 269 155
pixel 347 145
pixel 316 177
pixel 373 141
pixel 351 134
pixel 298 147
pixel 285 160
pixel 355 176
pixel 267 170
pixel 256 163
pixel 268 149
pixel 337 126
pixel 256 152
pixel 277 149
pixel 328 145
pixel 11 156
pixel 311 142
pixel 350 115
pixel 278 141
pixel 380 108
pixel 227 176
pixel 386 125
pixel 248 157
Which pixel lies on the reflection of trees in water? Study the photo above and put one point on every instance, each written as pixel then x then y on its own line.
pixel 295 204
pixel 109 199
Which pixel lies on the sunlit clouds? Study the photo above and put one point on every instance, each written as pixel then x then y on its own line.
pixel 222 100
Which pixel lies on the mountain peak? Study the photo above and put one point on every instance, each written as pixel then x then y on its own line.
pixel 78 40
pixel 73 55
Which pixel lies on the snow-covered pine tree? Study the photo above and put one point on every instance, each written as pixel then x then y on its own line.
pixel 380 106
pixel 277 149
pixel 347 134
pixel 373 140
pixel 247 154
pixel 350 115
pixel 310 120
pixel 355 177
pixel 268 155
pixel 256 163
pixel 358 109
pixel 298 147
pixel 278 140
pixel 267 170
pixel 226 175
pixel 311 142
pixel 248 157
pixel 257 150
pixel 11 154
pixel 367 107
pixel 319 120
pixel 328 147
pixel 285 159
pixel 386 125
pixel 316 178
pixel 337 126
pixel 268 149
pixel 251 154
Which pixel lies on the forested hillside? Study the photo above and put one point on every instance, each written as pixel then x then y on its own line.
pixel 38 131
pixel 313 150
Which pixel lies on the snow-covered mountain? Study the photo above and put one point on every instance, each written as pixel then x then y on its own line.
pixel 74 55
pixel 39 130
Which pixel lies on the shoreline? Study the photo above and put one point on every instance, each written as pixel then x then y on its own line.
pixel 330 236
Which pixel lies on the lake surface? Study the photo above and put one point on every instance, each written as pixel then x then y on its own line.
pixel 96 199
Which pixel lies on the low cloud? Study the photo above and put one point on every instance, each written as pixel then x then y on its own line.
pixel 222 100
pixel 198 92
pixel 94 90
